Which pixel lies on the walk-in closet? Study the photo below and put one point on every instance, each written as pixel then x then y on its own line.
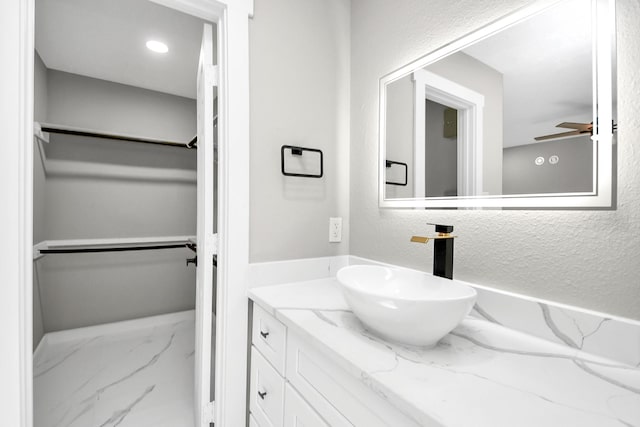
pixel 117 186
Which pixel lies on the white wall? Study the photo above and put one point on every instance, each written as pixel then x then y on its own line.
pixel 299 82
pixel 555 255
pixel 87 289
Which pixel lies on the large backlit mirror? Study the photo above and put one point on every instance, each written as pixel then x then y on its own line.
pixel 517 114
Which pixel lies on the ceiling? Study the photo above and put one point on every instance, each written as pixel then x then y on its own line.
pixel 105 39
pixel 546 66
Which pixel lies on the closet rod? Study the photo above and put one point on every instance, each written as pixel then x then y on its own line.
pixel 112 249
pixel 85 132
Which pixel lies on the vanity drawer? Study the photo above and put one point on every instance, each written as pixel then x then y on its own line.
pixel 266 395
pixel 339 398
pixel 269 336
pixel 298 413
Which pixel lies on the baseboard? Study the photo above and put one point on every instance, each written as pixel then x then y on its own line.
pixel 116 327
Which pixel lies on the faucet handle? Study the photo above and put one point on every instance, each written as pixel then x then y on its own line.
pixel 440 228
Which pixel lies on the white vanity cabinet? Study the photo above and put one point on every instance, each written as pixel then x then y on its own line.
pixel 293 384
pixel 272 401
pixel 297 412
pixel 266 395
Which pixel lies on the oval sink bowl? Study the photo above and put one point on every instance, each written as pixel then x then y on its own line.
pixel 405 306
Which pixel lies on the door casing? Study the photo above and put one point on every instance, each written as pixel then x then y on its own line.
pixel 17 29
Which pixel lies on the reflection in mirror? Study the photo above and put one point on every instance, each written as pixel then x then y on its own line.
pixel 509 114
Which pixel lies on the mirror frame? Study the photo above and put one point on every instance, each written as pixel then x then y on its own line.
pixel 603 21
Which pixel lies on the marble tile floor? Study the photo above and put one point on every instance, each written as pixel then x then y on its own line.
pixel 135 373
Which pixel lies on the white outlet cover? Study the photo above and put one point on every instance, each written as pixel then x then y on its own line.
pixel 335 230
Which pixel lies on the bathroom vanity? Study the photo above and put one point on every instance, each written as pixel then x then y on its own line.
pixel 313 363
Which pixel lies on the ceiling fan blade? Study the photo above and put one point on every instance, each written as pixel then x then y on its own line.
pixel 585 127
pixel 557 135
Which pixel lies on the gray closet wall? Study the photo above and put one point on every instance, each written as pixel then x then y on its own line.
pixel 80 199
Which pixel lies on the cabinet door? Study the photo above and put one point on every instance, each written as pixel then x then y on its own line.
pixel 269 337
pixel 298 413
pixel 337 396
pixel 266 396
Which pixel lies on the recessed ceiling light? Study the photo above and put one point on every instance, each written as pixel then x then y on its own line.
pixel 157 46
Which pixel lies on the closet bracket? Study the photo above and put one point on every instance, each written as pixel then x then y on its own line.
pixel 39 134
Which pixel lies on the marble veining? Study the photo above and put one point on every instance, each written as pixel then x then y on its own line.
pixel 595 333
pixel 135 373
pixel 481 374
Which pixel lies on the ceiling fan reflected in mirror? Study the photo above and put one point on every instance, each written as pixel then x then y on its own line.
pixel 578 129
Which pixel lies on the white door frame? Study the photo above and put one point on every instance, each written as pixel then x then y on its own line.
pixel 470 105
pixel 17 28
pixel 207 80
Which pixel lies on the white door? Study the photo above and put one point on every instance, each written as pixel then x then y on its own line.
pixel 207 240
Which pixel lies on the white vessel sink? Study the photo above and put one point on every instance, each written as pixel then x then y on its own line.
pixel 405 306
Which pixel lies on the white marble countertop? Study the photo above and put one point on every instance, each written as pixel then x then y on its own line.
pixel 481 374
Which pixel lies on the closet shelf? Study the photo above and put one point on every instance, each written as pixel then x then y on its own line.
pixel 42 128
pixel 111 244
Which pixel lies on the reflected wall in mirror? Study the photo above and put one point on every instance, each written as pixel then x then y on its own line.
pixel 503 117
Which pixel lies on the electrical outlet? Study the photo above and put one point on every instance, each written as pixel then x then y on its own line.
pixel 335 229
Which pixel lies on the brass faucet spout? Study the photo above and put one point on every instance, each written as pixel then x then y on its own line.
pixel 420 239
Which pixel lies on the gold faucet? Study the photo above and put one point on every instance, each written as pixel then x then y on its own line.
pixel 442 250
pixel 422 239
